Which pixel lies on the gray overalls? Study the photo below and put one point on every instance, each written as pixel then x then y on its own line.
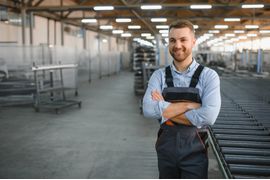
pixel 180 150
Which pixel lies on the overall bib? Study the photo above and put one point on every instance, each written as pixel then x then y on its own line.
pixel 180 150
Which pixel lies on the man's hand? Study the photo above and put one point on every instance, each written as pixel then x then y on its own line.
pixel 181 119
pixel 156 96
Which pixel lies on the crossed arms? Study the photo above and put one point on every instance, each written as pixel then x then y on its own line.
pixel 175 111
pixel 188 113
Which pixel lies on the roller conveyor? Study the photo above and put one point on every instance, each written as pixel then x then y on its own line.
pixel 247 122
pixel 247 160
pixel 245 151
pixel 250 169
pixel 230 143
pixel 244 127
pixel 241 135
pixel 241 132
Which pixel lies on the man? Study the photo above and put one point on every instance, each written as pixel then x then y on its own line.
pixel 180 151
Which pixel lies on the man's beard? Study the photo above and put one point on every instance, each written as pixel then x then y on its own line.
pixel 182 57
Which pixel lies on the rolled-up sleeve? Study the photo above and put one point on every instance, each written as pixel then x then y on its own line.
pixel 211 102
pixel 154 109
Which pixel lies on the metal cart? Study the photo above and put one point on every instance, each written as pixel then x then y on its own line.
pixel 50 88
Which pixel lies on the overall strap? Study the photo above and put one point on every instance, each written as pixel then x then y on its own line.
pixel 196 76
pixel 168 77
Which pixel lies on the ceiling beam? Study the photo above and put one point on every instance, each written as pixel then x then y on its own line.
pixel 173 17
pixel 175 6
pixel 38 3
pixel 141 19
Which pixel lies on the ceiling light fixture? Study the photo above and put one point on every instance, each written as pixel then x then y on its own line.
pixel 162 27
pixel 195 26
pixel 145 34
pixel 214 31
pixel 151 7
pixel 239 31
pixel 242 37
pixel 134 27
pixel 88 20
pixel 221 26
pixel 122 20
pixel 103 8
pixel 264 31
pixel 158 19
pixel 117 31
pixel 231 19
pixel 126 35
pixel 230 35
pixel 164 35
pixel 246 6
pixel 201 6
pixel 150 37
pixel 106 27
pixel 163 31
pixel 251 35
pixel 251 26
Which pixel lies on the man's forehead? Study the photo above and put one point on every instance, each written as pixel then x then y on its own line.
pixel 180 33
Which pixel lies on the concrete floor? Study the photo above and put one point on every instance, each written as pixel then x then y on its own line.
pixel 106 138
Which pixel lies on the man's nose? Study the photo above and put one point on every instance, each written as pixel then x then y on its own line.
pixel 178 44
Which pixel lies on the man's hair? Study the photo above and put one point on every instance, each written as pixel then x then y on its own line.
pixel 182 24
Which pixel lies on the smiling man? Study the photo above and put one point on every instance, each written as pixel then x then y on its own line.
pixel 185 97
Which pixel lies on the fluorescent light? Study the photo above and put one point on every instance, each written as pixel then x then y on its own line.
pixel 104 40
pixel 251 35
pixel 162 27
pixel 229 35
pixel 120 20
pixel 251 26
pixel 231 19
pixel 105 27
pixel 158 19
pixel 252 6
pixel 228 41
pixel 117 31
pixel 163 31
pixel 214 31
pixel 195 26
pixel 103 8
pixel 145 34
pixel 242 37
pixel 200 6
pixel 221 26
pixel 88 20
pixel 239 31
pixel 235 39
pixel 264 31
pixel 164 35
pixel 208 35
pixel 126 35
pixel 151 7
pixel 134 27
pixel 150 37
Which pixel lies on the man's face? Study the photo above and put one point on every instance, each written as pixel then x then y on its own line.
pixel 181 42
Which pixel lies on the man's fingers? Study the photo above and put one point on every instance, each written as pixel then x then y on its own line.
pixel 156 96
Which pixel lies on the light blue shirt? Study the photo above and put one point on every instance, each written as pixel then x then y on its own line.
pixel 209 89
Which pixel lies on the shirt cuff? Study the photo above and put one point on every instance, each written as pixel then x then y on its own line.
pixel 191 116
pixel 162 105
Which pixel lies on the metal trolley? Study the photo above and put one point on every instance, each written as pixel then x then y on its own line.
pixel 51 89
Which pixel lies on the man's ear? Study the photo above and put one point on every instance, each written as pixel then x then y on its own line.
pixel 194 41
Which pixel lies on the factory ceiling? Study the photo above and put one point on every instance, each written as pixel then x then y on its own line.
pixel 234 15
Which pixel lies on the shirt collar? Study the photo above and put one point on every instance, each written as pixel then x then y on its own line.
pixel 190 68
